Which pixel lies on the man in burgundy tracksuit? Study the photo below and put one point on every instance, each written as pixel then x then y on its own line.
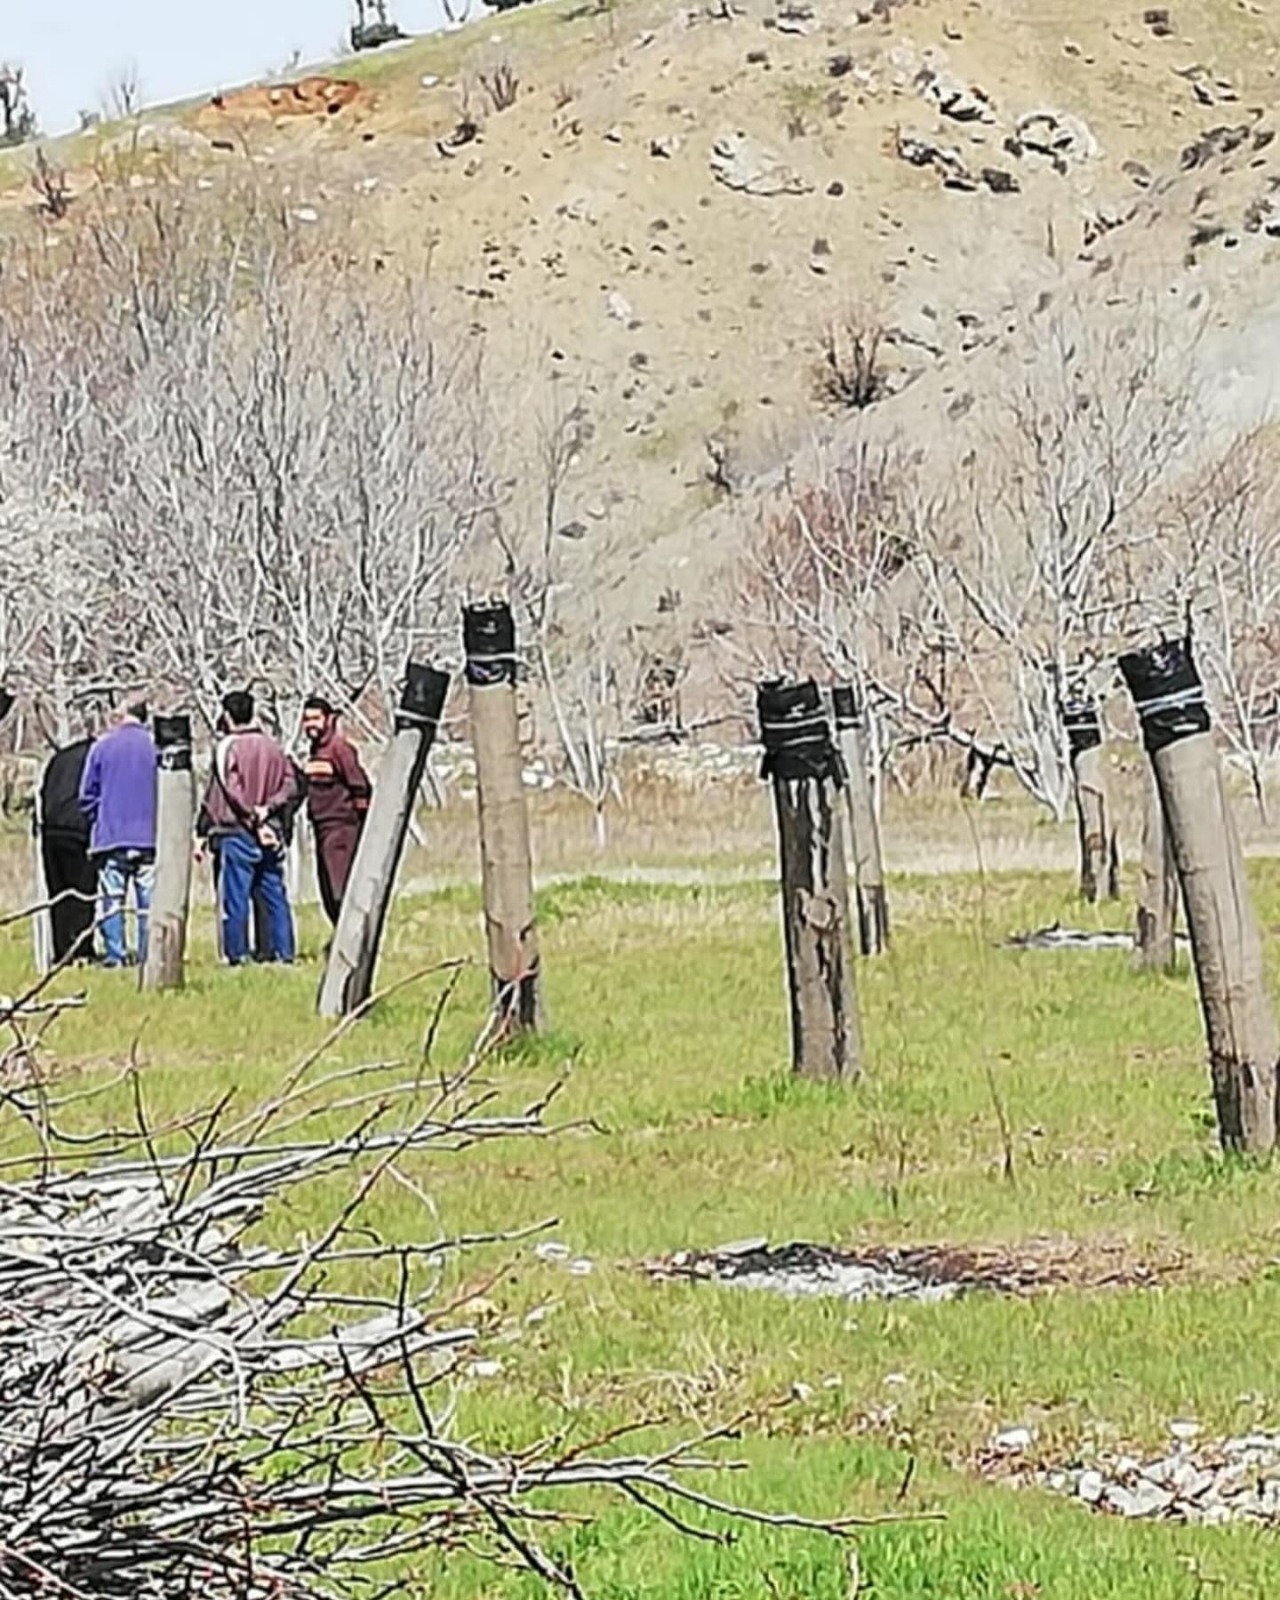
pixel 338 791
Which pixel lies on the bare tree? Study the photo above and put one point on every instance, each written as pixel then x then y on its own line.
pixel 17 118
pixel 1032 561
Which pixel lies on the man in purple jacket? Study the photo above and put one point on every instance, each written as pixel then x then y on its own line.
pixel 118 798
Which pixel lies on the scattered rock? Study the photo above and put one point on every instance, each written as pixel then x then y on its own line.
pixel 740 162
pixel 839 65
pixel 1159 21
pixel 1057 136
pixel 923 150
pixel 954 98
pixel 618 306
pixel 999 181
pixel 1013 1441
pixel 1222 141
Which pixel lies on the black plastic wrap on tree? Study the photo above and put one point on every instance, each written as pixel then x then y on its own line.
pixel 6 704
pixel 422 699
pixel 1083 724
pixel 845 710
pixel 489 643
pixel 173 743
pixel 1167 692
pixel 795 733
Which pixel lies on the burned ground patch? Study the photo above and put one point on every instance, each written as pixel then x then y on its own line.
pixel 926 1272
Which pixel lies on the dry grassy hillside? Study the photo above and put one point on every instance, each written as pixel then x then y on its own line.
pixel 592 237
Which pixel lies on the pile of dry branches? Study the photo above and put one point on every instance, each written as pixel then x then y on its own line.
pixel 189 1404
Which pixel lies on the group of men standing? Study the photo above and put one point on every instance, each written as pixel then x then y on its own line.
pixel 97 825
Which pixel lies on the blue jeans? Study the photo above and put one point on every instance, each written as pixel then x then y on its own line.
pixel 117 870
pixel 247 872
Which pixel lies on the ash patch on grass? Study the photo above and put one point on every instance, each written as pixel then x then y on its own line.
pixel 927 1273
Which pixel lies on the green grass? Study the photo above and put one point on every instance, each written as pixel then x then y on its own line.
pixel 667 1012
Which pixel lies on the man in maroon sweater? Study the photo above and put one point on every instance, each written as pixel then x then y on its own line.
pixel 252 783
pixel 338 793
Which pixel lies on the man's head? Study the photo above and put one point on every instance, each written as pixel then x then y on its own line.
pixel 133 709
pixel 237 707
pixel 318 714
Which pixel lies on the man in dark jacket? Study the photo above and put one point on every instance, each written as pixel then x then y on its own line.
pixel 252 783
pixel 338 792
pixel 70 877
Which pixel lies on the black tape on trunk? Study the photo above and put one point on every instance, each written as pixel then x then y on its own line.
pixel 422 700
pixel 845 710
pixel 173 743
pixel 6 703
pixel 1167 692
pixel 489 643
pixel 1083 723
pixel 795 733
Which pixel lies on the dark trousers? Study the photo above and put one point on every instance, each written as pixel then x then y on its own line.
pixel 71 879
pixel 335 851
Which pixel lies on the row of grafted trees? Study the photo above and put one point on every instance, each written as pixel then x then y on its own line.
pixel 224 457
pixel 978 599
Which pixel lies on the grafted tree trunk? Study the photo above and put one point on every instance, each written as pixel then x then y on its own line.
pixel 506 857
pixel 864 852
pixel 802 763
pixel 164 966
pixel 1155 939
pixel 353 955
pixel 1095 821
pixel 1226 943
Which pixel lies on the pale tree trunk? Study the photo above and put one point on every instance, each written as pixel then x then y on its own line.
pixel 1095 819
pixel 1226 943
pixel 1156 938
pixel 42 922
pixel 506 858
pixel 801 761
pixel 863 825
pixel 353 955
pixel 164 966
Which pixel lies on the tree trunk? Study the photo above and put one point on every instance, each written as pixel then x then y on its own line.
pixel 1156 938
pixel 42 922
pixel 353 955
pixel 862 824
pixel 164 966
pixel 506 861
pixel 801 761
pixel 1226 944
pixel 1095 822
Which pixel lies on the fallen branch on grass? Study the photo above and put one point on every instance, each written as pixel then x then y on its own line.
pixel 190 1409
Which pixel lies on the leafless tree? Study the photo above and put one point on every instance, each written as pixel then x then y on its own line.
pixel 17 118
pixel 1047 541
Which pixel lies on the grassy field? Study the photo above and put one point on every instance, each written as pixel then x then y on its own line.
pixel 668 1015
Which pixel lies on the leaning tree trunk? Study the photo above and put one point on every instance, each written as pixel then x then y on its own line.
pixel 506 858
pixel 863 825
pixel 1155 940
pixel 353 955
pixel 1099 846
pixel 163 966
pixel 802 762
pixel 1226 943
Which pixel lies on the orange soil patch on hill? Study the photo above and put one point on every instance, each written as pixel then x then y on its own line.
pixel 315 96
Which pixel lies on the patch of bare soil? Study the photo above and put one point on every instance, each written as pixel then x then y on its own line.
pixel 313 96
pixel 928 1272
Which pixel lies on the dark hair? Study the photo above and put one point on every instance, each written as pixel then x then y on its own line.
pixel 137 709
pixel 238 706
pixel 317 702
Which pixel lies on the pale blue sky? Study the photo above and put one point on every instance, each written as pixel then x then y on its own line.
pixel 73 49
